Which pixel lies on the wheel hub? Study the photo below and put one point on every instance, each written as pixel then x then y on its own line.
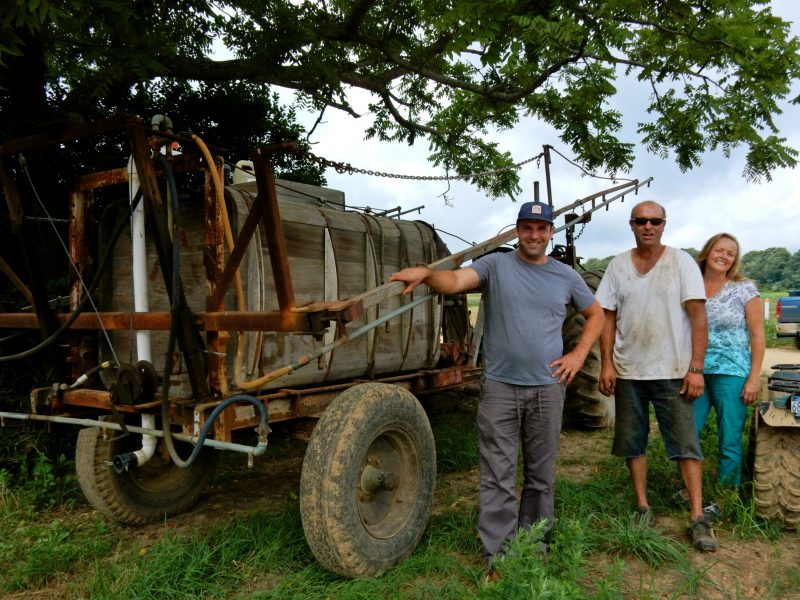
pixel 376 480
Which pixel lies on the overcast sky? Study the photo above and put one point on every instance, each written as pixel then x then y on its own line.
pixel 701 202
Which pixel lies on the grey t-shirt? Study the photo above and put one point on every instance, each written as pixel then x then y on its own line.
pixel 525 307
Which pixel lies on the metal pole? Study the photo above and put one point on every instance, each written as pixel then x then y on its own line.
pixel 307 358
pixel 547 174
pixel 257 450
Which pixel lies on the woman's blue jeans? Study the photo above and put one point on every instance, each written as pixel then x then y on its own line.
pixel 724 393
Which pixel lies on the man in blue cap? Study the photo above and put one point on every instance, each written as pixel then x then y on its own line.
pixel 526 294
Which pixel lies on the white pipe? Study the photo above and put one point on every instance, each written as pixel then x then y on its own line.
pixel 141 302
pixel 257 450
pixel 139 257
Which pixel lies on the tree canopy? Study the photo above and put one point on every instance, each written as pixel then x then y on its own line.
pixel 450 72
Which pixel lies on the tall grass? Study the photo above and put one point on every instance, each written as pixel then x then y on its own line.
pixel 38 548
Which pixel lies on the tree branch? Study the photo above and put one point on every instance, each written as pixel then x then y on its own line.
pixel 411 125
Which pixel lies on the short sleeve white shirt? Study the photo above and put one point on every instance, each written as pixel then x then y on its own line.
pixel 654 332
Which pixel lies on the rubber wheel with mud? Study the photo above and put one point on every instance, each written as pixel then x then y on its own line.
pixel 585 406
pixel 776 473
pixel 141 494
pixel 367 482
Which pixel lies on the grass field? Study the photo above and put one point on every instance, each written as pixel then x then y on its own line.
pixel 53 546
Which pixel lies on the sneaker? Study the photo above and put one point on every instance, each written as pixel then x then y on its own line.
pixel 712 512
pixel 702 535
pixel 642 515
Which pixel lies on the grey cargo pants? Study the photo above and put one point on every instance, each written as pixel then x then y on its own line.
pixel 507 413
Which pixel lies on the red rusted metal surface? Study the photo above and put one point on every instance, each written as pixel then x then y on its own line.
pixel 445 378
pixel 287 405
pixel 153 321
pixel 79 205
pixel 103 179
pixel 160 321
pixel 255 321
pixel 273 227
pixel 452 353
pixel 82 345
pixel 224 279
pixel 182 163
pixel 214 260
pixel 101 400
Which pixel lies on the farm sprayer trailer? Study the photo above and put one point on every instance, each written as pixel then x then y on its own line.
pixel 198 324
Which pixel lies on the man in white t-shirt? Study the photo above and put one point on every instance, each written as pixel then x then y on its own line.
pixel 652 350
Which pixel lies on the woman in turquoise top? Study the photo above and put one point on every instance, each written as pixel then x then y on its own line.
pixel 732 369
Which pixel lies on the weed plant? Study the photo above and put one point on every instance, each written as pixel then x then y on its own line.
pixel 36 548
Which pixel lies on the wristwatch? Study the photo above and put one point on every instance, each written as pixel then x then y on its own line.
pixel 695 370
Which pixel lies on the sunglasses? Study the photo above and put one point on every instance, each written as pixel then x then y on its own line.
pixel 641 221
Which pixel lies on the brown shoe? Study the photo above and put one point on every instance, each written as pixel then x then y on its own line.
pixel 702 535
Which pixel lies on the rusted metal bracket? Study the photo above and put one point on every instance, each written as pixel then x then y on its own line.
pixel 161 320
pixel 276 242
pixel 235 258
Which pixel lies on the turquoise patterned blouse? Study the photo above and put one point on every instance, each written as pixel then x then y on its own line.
pixel 728 338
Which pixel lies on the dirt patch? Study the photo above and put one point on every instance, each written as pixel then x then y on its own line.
pixel 580 453
pixel 776 356
pixel 236 490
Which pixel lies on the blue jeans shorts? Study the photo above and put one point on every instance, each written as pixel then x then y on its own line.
pixel 675 417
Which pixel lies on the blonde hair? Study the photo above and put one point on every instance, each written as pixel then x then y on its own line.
pixel 702 256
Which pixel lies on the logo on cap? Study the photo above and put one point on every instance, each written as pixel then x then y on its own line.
pixel 536 210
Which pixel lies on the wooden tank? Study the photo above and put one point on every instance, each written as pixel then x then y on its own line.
pixel 333 253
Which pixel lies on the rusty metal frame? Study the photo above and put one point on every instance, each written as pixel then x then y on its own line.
pixel 284 405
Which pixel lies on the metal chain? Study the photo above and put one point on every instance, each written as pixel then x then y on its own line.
pixel 342 167
pixel 583 225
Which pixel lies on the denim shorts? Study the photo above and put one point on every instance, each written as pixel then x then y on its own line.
pixel 675 417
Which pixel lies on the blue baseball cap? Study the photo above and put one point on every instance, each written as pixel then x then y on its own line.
pixel 536 210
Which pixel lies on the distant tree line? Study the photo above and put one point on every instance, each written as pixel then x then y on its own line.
pixel 773 269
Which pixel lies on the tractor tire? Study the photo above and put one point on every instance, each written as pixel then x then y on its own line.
pixel 367 482
pixel 584 406
pixel 776 473
pixel 142 494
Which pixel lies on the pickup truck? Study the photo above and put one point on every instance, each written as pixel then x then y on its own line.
pixel 787 313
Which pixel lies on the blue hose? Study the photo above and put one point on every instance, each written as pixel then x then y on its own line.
pixel 121 462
